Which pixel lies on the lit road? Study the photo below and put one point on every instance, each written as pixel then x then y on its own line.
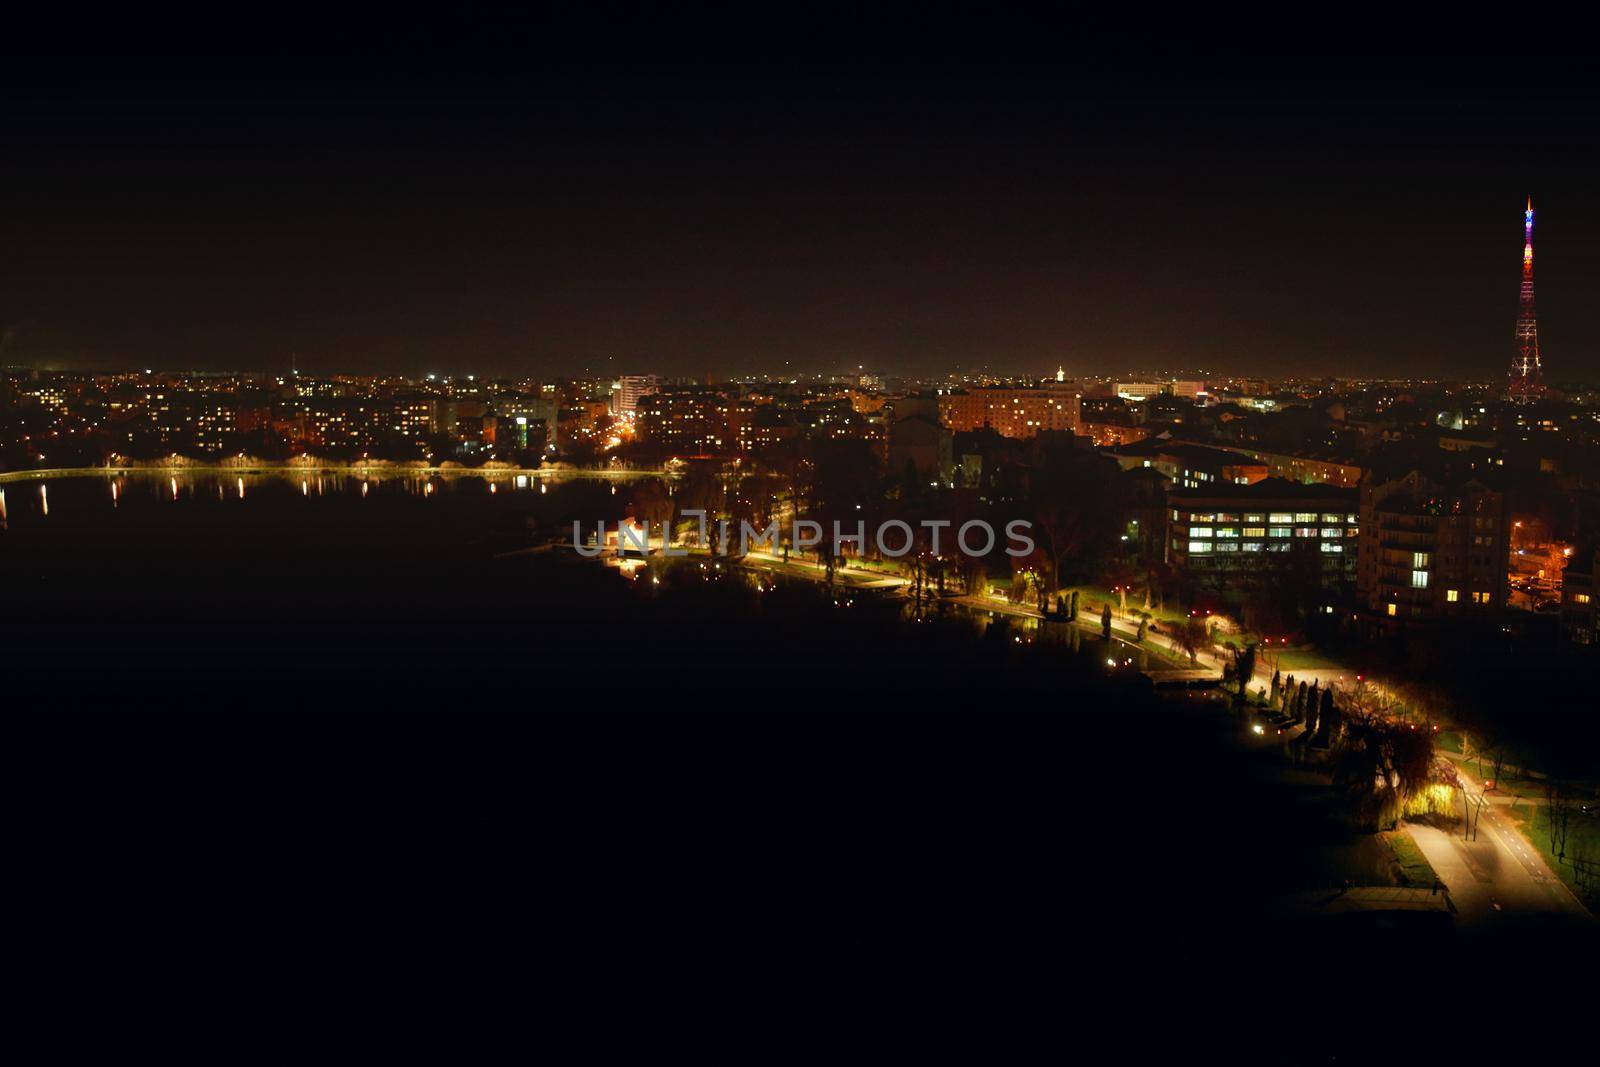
pixel 1498 874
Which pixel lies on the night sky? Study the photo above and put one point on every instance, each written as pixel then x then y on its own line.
pixel 699 216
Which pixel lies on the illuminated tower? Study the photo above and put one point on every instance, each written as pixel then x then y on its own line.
pixel 1524 383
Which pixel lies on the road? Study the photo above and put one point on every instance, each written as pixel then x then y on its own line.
pixel 1498 874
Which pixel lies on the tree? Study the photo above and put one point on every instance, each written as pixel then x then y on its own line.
pixel 1144 626
pixel 653 503
pixel 1244 665
pixel 1105 622
pixel 1557 815
pixel 1074 501
pixel 1383 765
pixel 1272 697
pixel 1327 720
pixel 1194 637
pixel 844 480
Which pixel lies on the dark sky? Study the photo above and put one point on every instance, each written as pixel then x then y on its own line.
pixel 696 215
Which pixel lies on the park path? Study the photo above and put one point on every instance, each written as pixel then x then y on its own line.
pixel 1498 873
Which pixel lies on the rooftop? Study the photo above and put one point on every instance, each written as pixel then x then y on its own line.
pixel 1268 489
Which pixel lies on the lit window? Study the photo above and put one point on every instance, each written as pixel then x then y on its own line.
pixel 1281 516
pixel 1279 531
pixel 1580 598
pixel 1419 560
pixel 1305 516
pixel 1419 579
pixel 1392 609
pixel 1199 531
pixel 1329 546
pixel 1199 546
pixel 1452 595
pixel 1228 531
pixel 1255 531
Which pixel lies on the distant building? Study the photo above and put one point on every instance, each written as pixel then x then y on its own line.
pixel 532 417
pixel 413 417
pixel 1111 430
pixel 1305 467
pixel 1012 412
pixel 1149 390
pixel 1431 552
pixel 685 420
pixel 1191 466
pixel 921 443
pixel 630 389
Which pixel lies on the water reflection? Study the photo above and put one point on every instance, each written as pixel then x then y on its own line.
pixel 124 489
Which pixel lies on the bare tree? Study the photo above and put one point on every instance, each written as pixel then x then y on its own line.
pixel 1558 815
pixel 1497 765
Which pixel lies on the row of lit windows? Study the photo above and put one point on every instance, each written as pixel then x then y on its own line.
pixel 1452 596
pixel 1273 531
pixel 1280 517
pixel 1203 547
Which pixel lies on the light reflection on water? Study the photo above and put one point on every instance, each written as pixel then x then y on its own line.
pixel 78 495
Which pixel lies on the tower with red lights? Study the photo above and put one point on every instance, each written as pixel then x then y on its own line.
pixel 1524 382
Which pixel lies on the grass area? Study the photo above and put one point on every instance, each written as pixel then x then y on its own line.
pixel 1293 659
pixel 1414 866
pixel 1511 783
pixel 1583 840
pixel 1098 595
pixel 1161 659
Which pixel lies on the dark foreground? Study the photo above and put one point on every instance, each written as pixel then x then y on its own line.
pixel 270 795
